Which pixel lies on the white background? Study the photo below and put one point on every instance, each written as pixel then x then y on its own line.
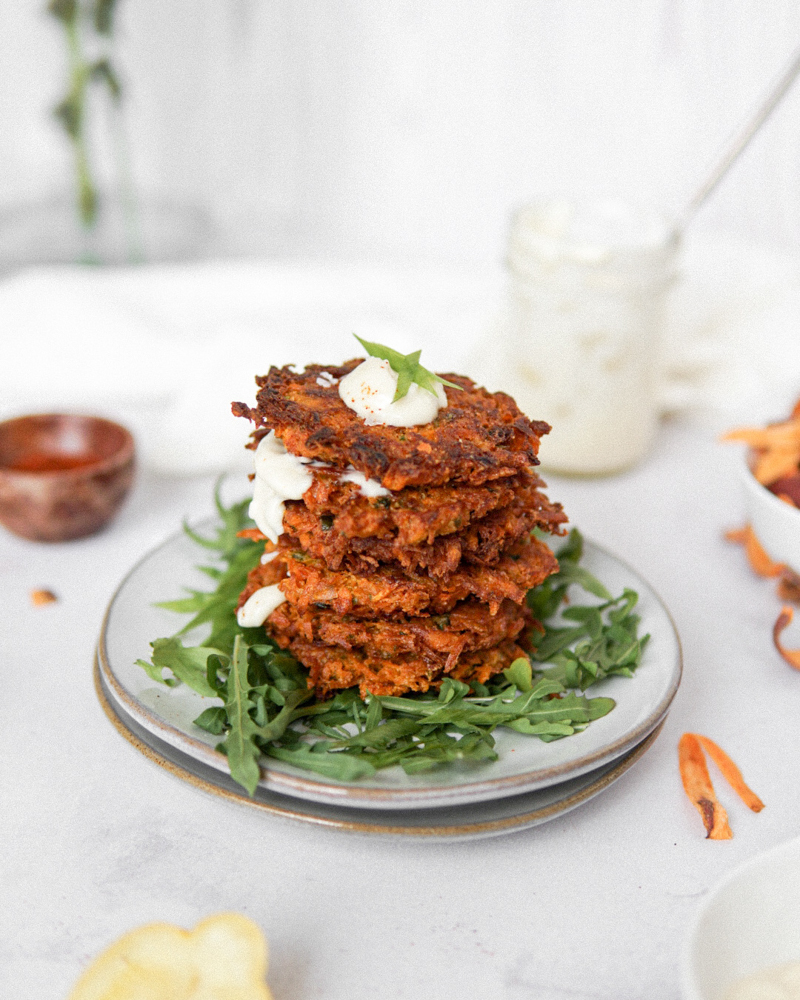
pixel 399 135
pixel 406 131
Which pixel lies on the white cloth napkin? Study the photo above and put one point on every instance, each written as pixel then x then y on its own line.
pixel 165 349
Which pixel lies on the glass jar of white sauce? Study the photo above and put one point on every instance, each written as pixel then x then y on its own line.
pixel 587 293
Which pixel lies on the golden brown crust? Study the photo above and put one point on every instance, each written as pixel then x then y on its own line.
pixel 420 514
pixel 468 626
pixel 478 437
pixel 332 668
pixel 433 531
pixel 388 589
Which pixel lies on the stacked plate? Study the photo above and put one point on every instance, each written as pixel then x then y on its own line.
pixel 530 783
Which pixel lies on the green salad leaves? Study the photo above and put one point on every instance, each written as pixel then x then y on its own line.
pixel 264 707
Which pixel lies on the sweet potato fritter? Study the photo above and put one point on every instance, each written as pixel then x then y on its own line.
pixel 388 590
pixel 339 538
pixel 479 436
pixel 417 515
pixel 481 543
pixel 333 668
pixel 468 626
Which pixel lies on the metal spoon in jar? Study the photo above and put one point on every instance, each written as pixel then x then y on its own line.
pixel 740 142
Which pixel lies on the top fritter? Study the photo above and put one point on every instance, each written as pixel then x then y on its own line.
pixel 479 436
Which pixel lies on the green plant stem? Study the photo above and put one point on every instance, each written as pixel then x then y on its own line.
pixel 79 75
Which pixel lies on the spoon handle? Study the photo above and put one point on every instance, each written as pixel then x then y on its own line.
pixel 743 139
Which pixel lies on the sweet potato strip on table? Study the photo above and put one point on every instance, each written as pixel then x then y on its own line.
pixel 789 587
pixel 759 561
pixel 731 773
pixel 697 783
pixel 792 656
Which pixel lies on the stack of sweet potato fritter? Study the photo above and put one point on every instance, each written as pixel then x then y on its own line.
pixel 395 592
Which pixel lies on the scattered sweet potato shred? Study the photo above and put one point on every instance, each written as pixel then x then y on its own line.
pixel 792 656
pixel 697 783
pixel 40 597
pixel 789 587
pixel 776 448
pixel 760 563
pixel 757 557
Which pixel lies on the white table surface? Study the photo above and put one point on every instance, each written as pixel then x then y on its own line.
pixel 97 840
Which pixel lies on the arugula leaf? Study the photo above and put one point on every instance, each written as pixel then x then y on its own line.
pixel 218 606
pixel 240 749
pixel 340 766
pixel 381 736
pixel 277 727
pixel 520 673
pixel 214 720
pixel 188 664
pixel 407 367
pixel 443 749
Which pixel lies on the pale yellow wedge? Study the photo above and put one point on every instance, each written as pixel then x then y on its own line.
pixel 223 958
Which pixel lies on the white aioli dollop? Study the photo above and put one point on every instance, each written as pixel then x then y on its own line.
pixel 259 606
pixel 280 476
pixel 369 487
pixel 369 390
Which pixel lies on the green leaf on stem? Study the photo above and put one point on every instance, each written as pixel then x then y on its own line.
pixel 103 17
pixel 407 367
pixel 64 10
pixel 101 70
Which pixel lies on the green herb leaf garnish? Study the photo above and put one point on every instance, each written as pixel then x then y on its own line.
pixel 407 367
pixel 265 709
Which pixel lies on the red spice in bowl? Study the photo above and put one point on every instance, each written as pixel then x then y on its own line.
pixel 62 476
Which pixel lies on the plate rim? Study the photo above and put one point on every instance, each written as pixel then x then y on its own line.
pixel 354 796
pixel 475 830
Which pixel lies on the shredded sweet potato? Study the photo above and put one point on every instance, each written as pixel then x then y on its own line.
pixel 40 597
pixel 697 783
pixel 731 773
pixel 792 656
pixel 776 449
pixel 785 435
pixel 775 464
pixel 757 557
pixel 252 534
pixel 789 587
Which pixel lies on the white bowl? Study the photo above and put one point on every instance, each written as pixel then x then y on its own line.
pixel 775 522
pixel 750 922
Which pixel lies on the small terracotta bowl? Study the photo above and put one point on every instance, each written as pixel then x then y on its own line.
pixel 62 476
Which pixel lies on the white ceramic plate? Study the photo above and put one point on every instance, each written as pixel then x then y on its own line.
pixel 526 763
pixel 473 821
pixel 750 922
